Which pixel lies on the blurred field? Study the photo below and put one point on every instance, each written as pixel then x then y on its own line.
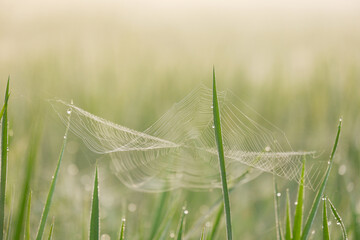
pixel 128 62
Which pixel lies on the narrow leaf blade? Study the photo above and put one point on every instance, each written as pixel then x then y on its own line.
pixel 288 234
pixel 94 219
pixel 326 234
pixel 299 207
pixel 338 219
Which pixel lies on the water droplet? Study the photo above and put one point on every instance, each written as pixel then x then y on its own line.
pixel 323 198
pixel 186 212
pixel 172 235
pixel 213 126
pixel 8 149
pixel 328 162
pixel 65 137
pixel 313 232
pixel 132 207
pixel 329 223
pixel 72 102
pixel 208 224
pixel 278 194
pixel 68 111
pixel 340 119
pixel 105 237
pixel 124 220
pixel 296 203
pixel 267 149
pixel 350 187
pixel 212 106
pixel 52 177
pixel 342 169
pixel 338 223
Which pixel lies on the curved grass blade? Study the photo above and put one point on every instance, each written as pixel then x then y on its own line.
pixel 159 213
pixel 47 206
pixel 218 137
pixel 288 234
pixel 4 158
pixel 320 193
pixel 338 219
pixel 299 207
pixel 326 234
pixel 276 203
pixel 27 224
pixel 216 223
pixel 122 230
pixel 94 219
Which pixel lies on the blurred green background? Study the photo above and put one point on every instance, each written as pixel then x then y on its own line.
pixel 297 64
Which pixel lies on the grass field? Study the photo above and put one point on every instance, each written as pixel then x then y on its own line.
pixel 298 68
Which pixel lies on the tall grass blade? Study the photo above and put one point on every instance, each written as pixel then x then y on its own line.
pixel 299 207
pixel 202 237
pixel 276 203
pixel 94 219
pixel 218 137
pixel 50 195
pixel 320 192
pixel 338 219
pixel 181 225
pixel 326 234
pixel 51 231
pixel 159 212
pixel 4 158
pixel 10 216
pixel 288 234
pixel 27 224
pixel 122 230
pixel 216 224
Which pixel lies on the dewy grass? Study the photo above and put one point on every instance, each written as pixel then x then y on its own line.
pixel 27 224
pixel 218 137
pixel 326 235
pixel 276 205
pixel 53 184
pixel 122 230
pixel 338 219
pixel 321 190
pixel 299 207
pixel 4 157
pixel 94 219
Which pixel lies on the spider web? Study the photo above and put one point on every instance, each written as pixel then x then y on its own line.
pixel 179 149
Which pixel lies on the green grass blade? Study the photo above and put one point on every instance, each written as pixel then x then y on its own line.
pixel 4 158
pixel 216 224
pixel 276 203
pixel 288 234
pixel 338 219
pixel 326 234
pixel 299 206
pixel 94 219
pixel 122 230
pixel 51 231
pixel 320 192
pixel 181 225
pixel 218 137
pixel 202 237
pixel 7 235
pixel 50 195
pixel 159 212
pixel 27 224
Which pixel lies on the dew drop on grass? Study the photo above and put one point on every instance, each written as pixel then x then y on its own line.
pixel 105 237
pixel 350 187
pixel 296 203
pixel 328 162
pixel 213 126
pixel 278 194
pixel 132 207
pixel 212 106
pixel 323 198
pixel 313 232
pixel 65 137
pixel 68 111
pixel 172 234
pixel 338 223
pixel 267 149
pixel 342 169
pixel 186 212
